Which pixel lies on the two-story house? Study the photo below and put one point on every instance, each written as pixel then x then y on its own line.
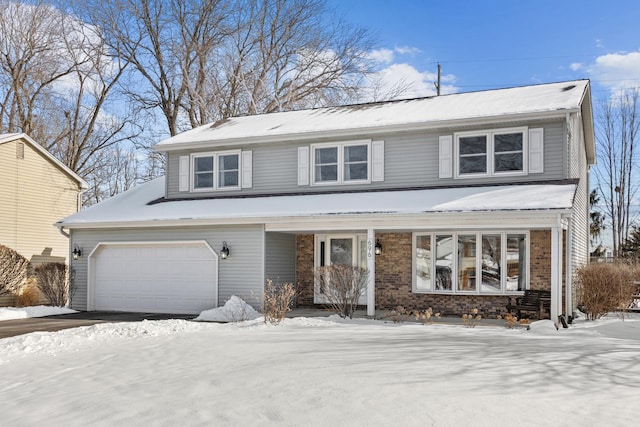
pixel 36 190
pixel 469 199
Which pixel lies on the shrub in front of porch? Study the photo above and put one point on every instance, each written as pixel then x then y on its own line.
pixel 605 288
pixel 342 286
pixel 278 299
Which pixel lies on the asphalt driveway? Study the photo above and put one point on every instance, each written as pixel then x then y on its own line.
pixel 10 328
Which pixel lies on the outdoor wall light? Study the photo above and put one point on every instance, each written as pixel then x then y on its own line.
pixel 77 252
pixel 378 247
pixel 224 252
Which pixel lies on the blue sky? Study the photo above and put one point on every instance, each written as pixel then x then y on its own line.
pixel 488 44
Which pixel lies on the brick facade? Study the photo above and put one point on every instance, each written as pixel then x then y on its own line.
pixel 394 277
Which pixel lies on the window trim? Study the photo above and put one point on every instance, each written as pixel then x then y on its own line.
pixel 490 154
pixel 478 234
pixel 340 146
pixel 216 170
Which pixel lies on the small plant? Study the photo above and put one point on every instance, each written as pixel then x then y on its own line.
pixel 426 316
pixel 29 295
pixel 13 271
pixel 341 286
pixel 52 282
pixel 512 321
pixel 471 320
pixel 277 301
pixel 398 314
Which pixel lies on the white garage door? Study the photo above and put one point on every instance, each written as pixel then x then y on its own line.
pixel 155 277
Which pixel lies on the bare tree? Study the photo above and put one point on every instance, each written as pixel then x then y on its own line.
pixel 341 286
pixel 618 125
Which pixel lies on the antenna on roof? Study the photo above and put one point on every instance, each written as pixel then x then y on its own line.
pixel 437 85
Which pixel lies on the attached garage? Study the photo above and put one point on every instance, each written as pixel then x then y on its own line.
pixel 153 277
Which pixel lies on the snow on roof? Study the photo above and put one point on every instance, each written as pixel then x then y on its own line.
pixel 132 206
pixel 422 112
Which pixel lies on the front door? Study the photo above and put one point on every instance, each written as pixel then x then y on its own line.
pixel 349 249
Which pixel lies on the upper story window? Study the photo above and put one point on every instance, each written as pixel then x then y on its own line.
pixel 216 171
pixel 341 163
pixel 487 153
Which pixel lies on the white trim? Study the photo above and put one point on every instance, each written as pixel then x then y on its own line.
pixel 371 266
pixel 215 155
pixel 340 146
pixel 91 259
pixel 490 152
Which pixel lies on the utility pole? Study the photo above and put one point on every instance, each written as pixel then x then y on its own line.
pixel 438 84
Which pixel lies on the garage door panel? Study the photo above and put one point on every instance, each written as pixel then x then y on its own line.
pixel 165 278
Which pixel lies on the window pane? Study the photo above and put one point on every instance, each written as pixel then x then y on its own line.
pixel 326 155
pixel 516 262
pixel 227 162
pixel 508 162
pixel 203 164
pixel 444 262
pixel 473 145
pixel 327 173
pixel 491 259
pixel 341 251
pixel 203 180
pixel 473 164
pixel 228 179
pixel 423 263
pixel 467 263
pixel 355 171
pixel 355 153
pixel 508 142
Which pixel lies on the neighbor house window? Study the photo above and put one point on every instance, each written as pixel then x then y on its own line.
pixel 491 152
pixel 213 171
pixel 341 163
pixel 470 262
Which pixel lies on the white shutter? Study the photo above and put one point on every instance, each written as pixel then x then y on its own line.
pixel 446 156
pixel 377 161
pixel 247 169
pixel 536 150
pixel 303 165
pixel 183 173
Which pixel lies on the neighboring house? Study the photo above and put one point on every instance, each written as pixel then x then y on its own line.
pixel 36 190
pixel 472 197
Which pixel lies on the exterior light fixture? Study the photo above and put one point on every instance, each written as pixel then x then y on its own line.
pixel 77 252
pixel 224 252
pixel 378 248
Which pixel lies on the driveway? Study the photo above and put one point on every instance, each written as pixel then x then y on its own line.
pixel 10 328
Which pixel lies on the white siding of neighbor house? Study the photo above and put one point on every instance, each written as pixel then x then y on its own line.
pixel 242 274
pixel 410 160
pixel 280 257
pixel 34 194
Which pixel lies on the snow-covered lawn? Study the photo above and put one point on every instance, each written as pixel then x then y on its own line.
pixel 11 313
pixel 323 372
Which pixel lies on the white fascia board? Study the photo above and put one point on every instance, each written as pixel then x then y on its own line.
pixel 341 134
pixel 426 220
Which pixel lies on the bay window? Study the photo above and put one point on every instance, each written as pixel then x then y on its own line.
pixel 470 262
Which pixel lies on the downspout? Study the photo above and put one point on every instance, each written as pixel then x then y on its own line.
pixel 569 274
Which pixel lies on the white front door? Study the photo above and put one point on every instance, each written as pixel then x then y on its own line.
pixel 348 249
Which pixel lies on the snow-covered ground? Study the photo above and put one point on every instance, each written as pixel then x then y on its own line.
pixel 11 313
pixel 323 372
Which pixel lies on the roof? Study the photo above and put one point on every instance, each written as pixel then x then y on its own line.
pixel 8 137
pixel 544 100
pixel 133 206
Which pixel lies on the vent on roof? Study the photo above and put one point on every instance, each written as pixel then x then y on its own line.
pixel 567 88
pixel 20 150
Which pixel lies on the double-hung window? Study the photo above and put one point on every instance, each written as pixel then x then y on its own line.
pixel 488 153
pixel 470 263
pixel 341 163
pixel 216 171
